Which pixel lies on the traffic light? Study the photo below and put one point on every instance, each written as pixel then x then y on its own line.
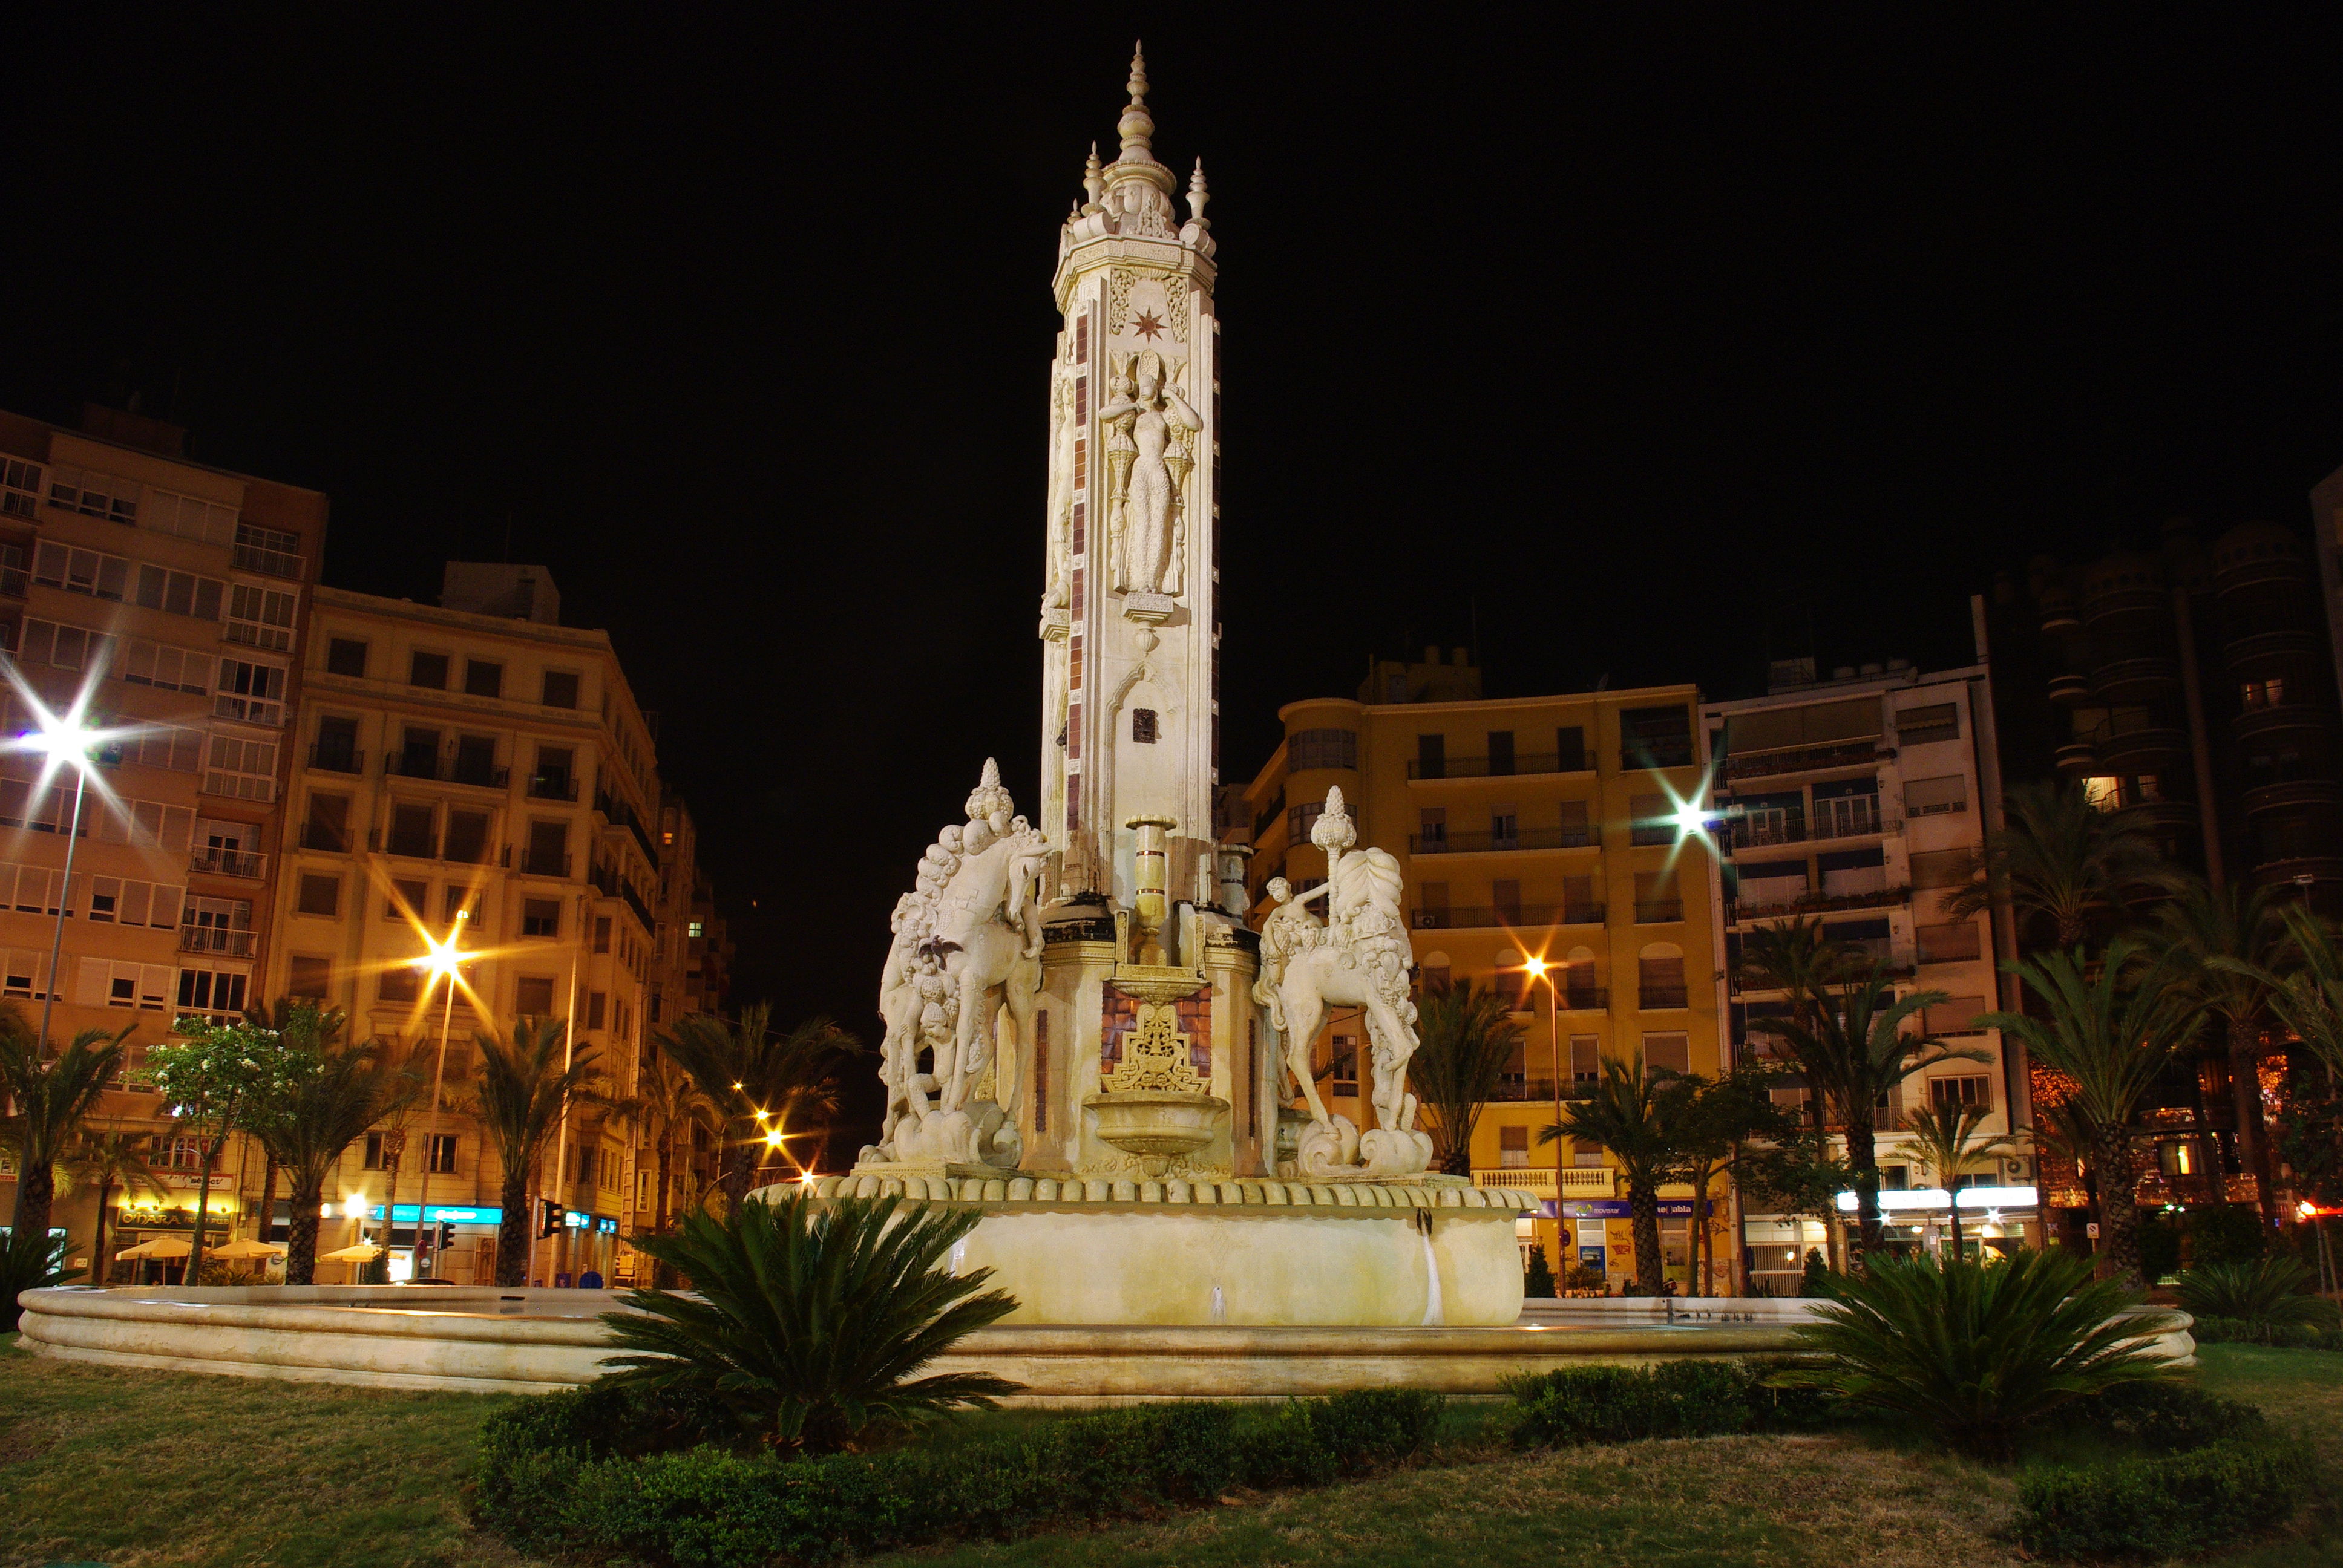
pixel 551 1223
pixel 443 1236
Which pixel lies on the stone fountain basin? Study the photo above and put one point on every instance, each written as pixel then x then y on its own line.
pixel 1156 1123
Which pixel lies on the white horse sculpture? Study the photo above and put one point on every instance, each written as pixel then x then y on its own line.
pixel 1360 957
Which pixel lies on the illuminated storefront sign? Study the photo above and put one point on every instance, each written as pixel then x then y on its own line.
pixel 442 1213
pixel 1937 1198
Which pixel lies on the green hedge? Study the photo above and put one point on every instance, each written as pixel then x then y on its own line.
pixel 548 1478
pixel 2148 1508
pixel 2245 1332
pixel 2162 1415
pixel 1670 1399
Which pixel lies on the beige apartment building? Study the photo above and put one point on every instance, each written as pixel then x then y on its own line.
pixel 175 597
pixel 475 771
pixel 1542 827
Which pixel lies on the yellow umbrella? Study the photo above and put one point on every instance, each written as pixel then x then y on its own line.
pixel 160 1247
pixel 364 1252
pixel 245 1247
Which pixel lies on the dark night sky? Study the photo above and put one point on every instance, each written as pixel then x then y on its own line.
pixel 1603 346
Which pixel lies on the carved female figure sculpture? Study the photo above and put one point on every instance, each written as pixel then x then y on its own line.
pixel 1159 420
pixel 1062 430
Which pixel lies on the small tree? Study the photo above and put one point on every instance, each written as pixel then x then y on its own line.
pixel 1636 1120
pixel 1854 1058
pixel 216 1079
pixel 1538 1283
pixel 1946 1137
pixel 2110 1031
pixel 111 1161
pixel 334 1093
pixel 1795 1172
pixel 524 1088
pixel 1468 1038
pixel 755 1078
pixel 51 1099
pixel 1717 1123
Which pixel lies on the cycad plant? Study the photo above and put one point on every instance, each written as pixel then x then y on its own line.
pixel 2267 1293
pixel 2110 1031
pixel 2064 860
pixel 1640 1122
pixel 50 1099
pixel 524 1086
pixel 1945 1137
pixel 29 1261
pixel 1974 1352
pixel 809 1319
pixel 1468 1038
pixel 755 1078
pixel 1853 1056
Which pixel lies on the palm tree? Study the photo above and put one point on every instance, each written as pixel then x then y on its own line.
pixel 1945 1137
pixel 1795 958
pixel 754 1078
pixel 1853 1056
pixel 2308 999
pixel 664 1103
pixel 2063 859
pixel 110 1160
pixel 809 1319
pixel 1636 1115
pixel 51 1099
pixel 1468 1039
pixel 345 1091
pixel 2111 1034
pixel 523 1090
pixel 2224 945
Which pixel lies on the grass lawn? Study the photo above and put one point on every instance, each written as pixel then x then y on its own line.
pixel 131 1469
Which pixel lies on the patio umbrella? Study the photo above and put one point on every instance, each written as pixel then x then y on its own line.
pixel 245 1247
pixel 364 1252
pixel 160 1247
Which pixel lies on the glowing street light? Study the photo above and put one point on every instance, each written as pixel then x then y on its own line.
pixel 61 739
pixel 441 962
pixel 1537 969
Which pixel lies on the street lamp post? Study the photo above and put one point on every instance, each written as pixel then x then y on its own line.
pixel 1538 969
pixel 65 739
pixel 440 961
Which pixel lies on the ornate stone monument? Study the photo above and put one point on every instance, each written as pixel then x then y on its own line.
pixel 1081 1034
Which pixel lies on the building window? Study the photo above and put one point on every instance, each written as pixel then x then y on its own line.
pixel 410 831
pixel 86 571
pixel 92 494
pixel 1346 1065
pixel 407 899
pixel 1954 943
pixel 65 646
pixel 601 933
pixel 161 665
pixel 257 616
pixel 1932 796
pixel 540 917
pixel 1298 820
pixel 549 850
pixel 428 669
pixel 1142 726
pixel 596 1008
pixel 1512 1148
pixel 461 903
pixel 346 656
pixel 1968 1089
pixel 1670 1052
pixel 1655 737
pixel 250 693
pixel 533 996
pixel 1936 721
pixel 443 1153
pixel 1585 1058
pixel 483 678
pixel 467 836
pixel 1500 753
pixel 320 895
pixel 217 992
pixel 376 1154
pixel 241 770
pixel 272 552
pixel 560 689
pixel 1316 749
pixel 328 826
pixel 1958 1016
pixel 1651 820
pixel 1570 748
pixel 2268 693
pixel 311 978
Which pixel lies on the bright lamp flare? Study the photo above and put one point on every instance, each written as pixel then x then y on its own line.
pixel 441 959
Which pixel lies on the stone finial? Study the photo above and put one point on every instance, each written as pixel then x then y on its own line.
pixel 988 798
pixel 1197 196
pixel 1093 182
pixel 1136 125
pixel 1333 830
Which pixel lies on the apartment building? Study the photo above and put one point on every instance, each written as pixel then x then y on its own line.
pixel 1545 827
pixel 174 597
pixel 475 772
pixel 1861 800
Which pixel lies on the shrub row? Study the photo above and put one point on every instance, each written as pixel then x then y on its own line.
pixel 2210 1331
pixel 1670 1399
pixel 2151 1507
pixel 550 1477
pixel 2163 1416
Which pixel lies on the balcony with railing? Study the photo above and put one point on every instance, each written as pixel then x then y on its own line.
pixel 220 939
pixel 1658 912
pixel 1765 832
pixel 1482 842
pixel 553 787
pixel 1577 1181
pixel 317 836
pixel 413 763
pixel 1822 903
pixel 537 863
pixel 329 757
pixel 1806 759
pixel 1659 998
pixel 222 862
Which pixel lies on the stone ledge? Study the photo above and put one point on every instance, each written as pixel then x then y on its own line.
pixel 1017 1191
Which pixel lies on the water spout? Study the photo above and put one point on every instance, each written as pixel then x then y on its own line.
pixel 1219 1306
pixel 958 1256
pixel 1434 1314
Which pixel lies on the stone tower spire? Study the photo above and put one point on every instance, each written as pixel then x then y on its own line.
pixel 1129 618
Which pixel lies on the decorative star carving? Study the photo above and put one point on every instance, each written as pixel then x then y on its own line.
pixel 1146 326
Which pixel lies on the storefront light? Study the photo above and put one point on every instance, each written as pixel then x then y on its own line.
pixel 1987 1198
